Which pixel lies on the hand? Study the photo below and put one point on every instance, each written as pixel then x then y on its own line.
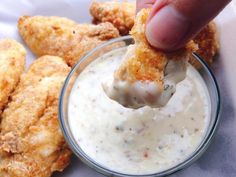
pixel 172 23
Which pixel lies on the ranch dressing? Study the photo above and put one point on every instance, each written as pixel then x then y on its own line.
pixel 136 141
pixel 142 93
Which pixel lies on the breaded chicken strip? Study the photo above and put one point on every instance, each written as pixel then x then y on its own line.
pixel 63 37
pixel 12 62
pixel 208 44
pixel 31 142
pixel 148 76
pixel 120 14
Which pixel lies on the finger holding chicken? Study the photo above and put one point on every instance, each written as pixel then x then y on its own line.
pixel 122 15
pixel 147 75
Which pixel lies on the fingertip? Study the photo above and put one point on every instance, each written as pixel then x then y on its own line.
pixel 166 28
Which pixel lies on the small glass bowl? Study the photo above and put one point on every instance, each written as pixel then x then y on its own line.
pixel 206 74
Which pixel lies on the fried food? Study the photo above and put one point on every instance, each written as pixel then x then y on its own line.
pixel 208 44
pixel 12 61
pixel 63 37
pixel 120 14
pixel 31 142
pixel 142 77
pixel 148 63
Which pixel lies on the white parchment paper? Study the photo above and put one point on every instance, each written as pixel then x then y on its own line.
pixel 220 158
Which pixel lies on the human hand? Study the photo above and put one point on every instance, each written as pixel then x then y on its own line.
pixel 172 23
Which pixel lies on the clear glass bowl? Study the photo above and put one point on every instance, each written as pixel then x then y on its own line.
pixel 206 74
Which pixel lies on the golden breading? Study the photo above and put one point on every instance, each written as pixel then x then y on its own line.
pixel 31 142
pixel 120 14
pixel 12 62
pixel 148 63
pixel 208 44
pixel 62 37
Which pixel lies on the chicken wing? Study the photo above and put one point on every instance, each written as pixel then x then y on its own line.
pixel 148 76
pixel 12 61
pixel 31 142
pixel 120 14
pixel 62 37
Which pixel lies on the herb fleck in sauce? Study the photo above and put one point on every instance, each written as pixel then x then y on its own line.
pixel 145 140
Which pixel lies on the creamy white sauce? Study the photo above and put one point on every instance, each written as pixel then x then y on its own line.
pixel 136 141
pixel 146 93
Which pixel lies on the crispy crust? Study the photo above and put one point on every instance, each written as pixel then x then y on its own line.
pixel 31 142
pixel 12 61
pixel 208 44
pixel 63 37
pixel 148 63
pixel 120 14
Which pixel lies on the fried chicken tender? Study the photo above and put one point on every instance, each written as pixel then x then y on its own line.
pixel 120 14
pixel 12 61
pixel 63 37
pixel 31 142
pixel 208 44
pixel 140 80
pixel 148 63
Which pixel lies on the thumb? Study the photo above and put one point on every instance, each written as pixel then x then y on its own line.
pixel 172 23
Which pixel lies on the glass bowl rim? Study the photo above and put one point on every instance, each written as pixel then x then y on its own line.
pixel 106 171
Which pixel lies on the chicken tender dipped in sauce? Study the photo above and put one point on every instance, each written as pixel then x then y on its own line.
pixel 122 15
pixel 147 76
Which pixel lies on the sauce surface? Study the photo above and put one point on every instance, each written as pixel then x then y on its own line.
pixel 136 141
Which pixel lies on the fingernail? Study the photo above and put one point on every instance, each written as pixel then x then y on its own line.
pixel 167 28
